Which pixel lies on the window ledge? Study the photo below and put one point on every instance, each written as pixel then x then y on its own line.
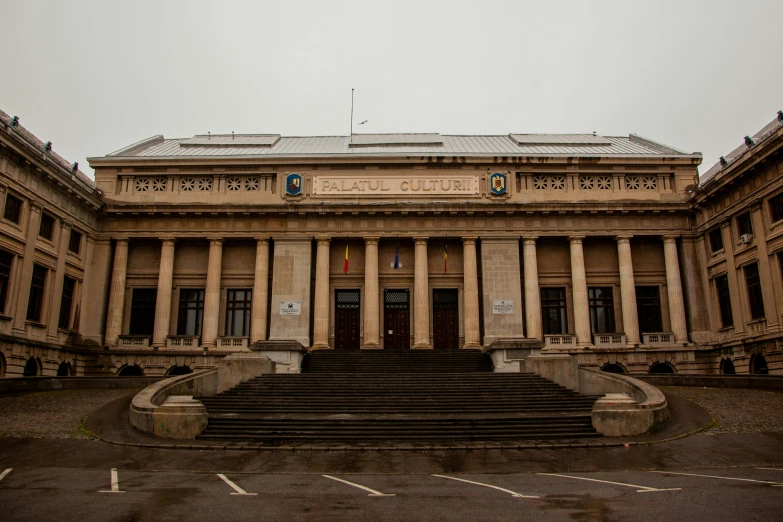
pixel 36 324
pixel 726 329
pixel 757 321
pixel 4 317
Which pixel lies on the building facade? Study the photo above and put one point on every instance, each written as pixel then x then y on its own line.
pixel 191 249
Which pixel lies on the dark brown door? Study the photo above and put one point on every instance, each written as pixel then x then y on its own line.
pixel 346 320
pixel 396 318
pixel 446 319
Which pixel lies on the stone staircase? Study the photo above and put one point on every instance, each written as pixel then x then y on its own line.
pixel 381 397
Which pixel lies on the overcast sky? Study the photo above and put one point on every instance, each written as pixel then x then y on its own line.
pixel 95 76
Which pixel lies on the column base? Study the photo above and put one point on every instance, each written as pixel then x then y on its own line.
pixel 422 346
pixel 371 346
pixel 472 346
pixel 321 347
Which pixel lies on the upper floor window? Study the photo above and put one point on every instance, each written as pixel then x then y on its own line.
pixel 6 258
pixel 13 209
pixel 724 300
pixel 238 306
pixel 142 319
pixel 744 224
pixel 35 302
pixel 69 284
pixel 191 311
pixel 648 308
pixel 75 242
pixel 553 310
pixel 46 230
pixel 601 309
pixel 716 240
pixel 776 207
pixel 755 296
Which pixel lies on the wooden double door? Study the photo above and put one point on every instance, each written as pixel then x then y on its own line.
pixel 445 326
pixel 347 319
pixel 396 319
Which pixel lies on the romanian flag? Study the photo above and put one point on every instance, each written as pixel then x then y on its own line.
pixel 445 257
pixel 345 265
pixel 397 256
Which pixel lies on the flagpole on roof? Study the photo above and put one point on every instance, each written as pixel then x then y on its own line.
pixel 352 111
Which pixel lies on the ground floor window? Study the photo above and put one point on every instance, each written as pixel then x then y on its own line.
pixel 238 308
pixel 553 311
pixel 648 308
pixel 66 303
pixel 724 300
pixel 143 302
pixel 601 309
pixel 35 302
pixel 6 258
pixel 191 311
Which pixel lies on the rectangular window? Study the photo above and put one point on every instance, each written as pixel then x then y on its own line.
pixel 13 209
pixel 69 284
pixel 716 240
pixel 648 308
pixel 724 300
pixel 35 302
pixel 46 230
pixel 776 207
pixel 6 258
pixel 601 310
pixel 75 241
pixel 553 311
pixel 754 291
pixel 191 311
pixel 238 306
pixel 142 319
pixel 744 224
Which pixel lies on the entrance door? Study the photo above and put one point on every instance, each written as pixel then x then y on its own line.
pixel 446 320
pixel 396 319
pixel 346 320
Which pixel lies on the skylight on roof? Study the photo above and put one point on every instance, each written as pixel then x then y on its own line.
pixel 395 140
pixel 231 140
pixel 560 140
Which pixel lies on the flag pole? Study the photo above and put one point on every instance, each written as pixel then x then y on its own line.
pixel 352 111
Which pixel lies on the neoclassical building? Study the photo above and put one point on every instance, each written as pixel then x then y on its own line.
pixel 184 250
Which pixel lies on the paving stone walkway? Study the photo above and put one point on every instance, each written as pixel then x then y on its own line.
pixel 737 410
pixel 51 414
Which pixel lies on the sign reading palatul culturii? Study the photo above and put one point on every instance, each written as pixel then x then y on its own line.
pixel 396 186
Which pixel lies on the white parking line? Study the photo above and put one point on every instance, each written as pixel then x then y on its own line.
pixel 115 483
pixel 4 473
pixel 373 493
pixel 773 484
pixel 772 469
pixel 640 489
pixel 512 493
pixel 237 489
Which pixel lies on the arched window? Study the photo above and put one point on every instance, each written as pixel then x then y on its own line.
pixel 2 365
pixel 661 368
pixel 64 370
pixel 130 371
pixel 32 368
pixel 758 365
pixel 613 368
pixel 179 370
pixel 727 367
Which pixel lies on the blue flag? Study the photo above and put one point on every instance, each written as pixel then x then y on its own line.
pixel 397 256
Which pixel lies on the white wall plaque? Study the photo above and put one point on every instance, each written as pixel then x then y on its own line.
pixel 503 307
pixel 290 308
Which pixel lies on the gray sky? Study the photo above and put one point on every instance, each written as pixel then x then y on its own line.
pixel 95 76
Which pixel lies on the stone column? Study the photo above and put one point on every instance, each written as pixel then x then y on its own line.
pixel 421 296
pixel 501 279
pixel 628 291
pixel 674 287
pixel 260 291
pixel 371 303
pixel 291 283
pixel 321 310
pixel 209 329
pixel 579 286
pixel 163 303
pixel 532 293
pixel 59 277
pixel 26 273
pixel 116 293
pixel 765 273
pixel 471 309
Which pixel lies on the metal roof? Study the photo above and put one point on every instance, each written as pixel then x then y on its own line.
pixel 385 145
pixel 239 140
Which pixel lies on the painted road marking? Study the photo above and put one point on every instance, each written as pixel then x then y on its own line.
pixel 373 493
pixel 237 489
pixel 115 483
pixel 770 469
pixel 639 489
pixel 512 493
pixel 4 473
pixel 773 484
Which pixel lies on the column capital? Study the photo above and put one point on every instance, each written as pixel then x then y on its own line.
pixel 529 239
pixel 121 239
pixel 370 240
pixel 65 223
pixel 576 239
pixel 670 238
pixel 420 239
pixel 726 223
pixel 261 238
pixel 323 239
pixel 470 240
pixel 754 205
pixel 168 239
pixel 624 238
pixel 35 206
pixel 212 239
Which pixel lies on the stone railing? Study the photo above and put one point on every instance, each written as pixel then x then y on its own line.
pixel 609 340
pixel 183 341
pixel 134 341
pixel 232 342
pixel 563 342
pixel 757 327
pixel 658 339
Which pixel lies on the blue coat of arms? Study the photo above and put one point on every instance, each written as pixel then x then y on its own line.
pixel 497 184
pixel 293 184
